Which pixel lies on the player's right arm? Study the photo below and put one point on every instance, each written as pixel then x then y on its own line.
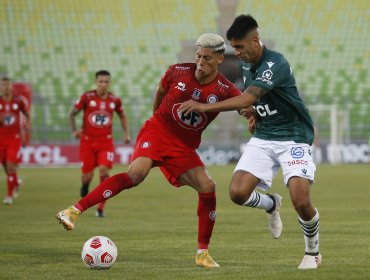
pixel 72 122
pixel 159 95
pixel 248 98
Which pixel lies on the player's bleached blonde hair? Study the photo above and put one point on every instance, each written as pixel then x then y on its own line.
pixel 211 41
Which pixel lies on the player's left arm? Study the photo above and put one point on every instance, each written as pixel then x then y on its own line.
pixel 25 130
pixel 160 93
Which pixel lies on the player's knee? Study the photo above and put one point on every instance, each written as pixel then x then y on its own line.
pixel 301 206
pixel 237 195
pixel 209 186
pixel 136 178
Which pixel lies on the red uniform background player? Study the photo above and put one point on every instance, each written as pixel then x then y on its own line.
pixel 11 107
pixel 169 140
pixel 96 141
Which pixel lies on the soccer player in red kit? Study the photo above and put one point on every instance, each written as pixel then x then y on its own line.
pixel 11 106
pixel 96 141
pixel 169 140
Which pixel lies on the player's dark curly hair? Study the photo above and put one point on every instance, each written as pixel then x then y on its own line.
pixel 102 73
pixel 6 79
pixel 241 26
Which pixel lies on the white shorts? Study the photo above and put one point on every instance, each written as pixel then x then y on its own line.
pixel 262 158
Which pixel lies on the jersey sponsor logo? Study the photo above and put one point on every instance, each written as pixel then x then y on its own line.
pixel 196 94
pixel 100 119
pixel 182 68
pixel 222 84
pixel 194 121
pixel 9 119
pixel 264 110
pixel 92 103
pixel 181 86
pixel 297 162
pixel 297 152
pixel 246 68
pixel 212 98
pixel 270 64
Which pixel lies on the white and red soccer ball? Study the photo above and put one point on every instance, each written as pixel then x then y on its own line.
pixel 99 252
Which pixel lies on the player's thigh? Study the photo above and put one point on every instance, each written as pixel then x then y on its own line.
pixel 199 179
pixel 3 154
pixel 181 161
pixel 105 154
pixel 296 161
pixel 88 158
pixel 13 154
pixel 259 160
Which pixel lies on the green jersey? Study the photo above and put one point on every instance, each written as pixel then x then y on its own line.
pixel 282 115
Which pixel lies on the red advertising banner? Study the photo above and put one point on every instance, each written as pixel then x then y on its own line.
pixel 65 154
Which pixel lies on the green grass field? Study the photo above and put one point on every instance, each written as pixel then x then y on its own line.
pixel 154 227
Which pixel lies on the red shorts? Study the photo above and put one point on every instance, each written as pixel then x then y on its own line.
pixel 95 153
pixel 172 156
pixel 10 150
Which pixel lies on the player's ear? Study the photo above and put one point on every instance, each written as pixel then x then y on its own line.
pixel 221 58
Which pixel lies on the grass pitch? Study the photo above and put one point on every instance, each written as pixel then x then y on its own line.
pixel 154 227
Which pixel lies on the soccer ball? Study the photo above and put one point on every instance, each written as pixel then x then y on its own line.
pixel 99 252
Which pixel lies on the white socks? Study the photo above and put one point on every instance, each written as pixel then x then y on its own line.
pixel 259 200
pixel 311 233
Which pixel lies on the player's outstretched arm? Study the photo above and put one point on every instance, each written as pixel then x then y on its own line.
pixel 248 98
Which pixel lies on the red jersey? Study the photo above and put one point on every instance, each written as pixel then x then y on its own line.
pixel 10 116
pixel 181 85
pixel 98 113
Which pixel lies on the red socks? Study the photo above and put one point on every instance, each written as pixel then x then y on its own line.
pixel 206 218
pixel 12 183
pixel 107 189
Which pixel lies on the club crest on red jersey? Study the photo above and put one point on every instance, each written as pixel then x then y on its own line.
pixel 9 119
pixel 195 120
pixel 100 119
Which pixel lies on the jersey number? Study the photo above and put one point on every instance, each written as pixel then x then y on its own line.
pixel 110 156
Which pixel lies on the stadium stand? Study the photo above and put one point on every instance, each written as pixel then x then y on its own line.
pixel 56 47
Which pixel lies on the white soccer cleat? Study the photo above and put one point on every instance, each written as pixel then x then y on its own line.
pixel 16 192
pixel 8 200
pixel 310 262
pixel 274 220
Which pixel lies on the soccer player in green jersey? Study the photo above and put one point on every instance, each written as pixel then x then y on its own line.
pixel 282 137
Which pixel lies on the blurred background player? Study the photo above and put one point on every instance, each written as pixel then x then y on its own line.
pixel 11 106
pixel 283 135
pixel 169 140
pixel 96 141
